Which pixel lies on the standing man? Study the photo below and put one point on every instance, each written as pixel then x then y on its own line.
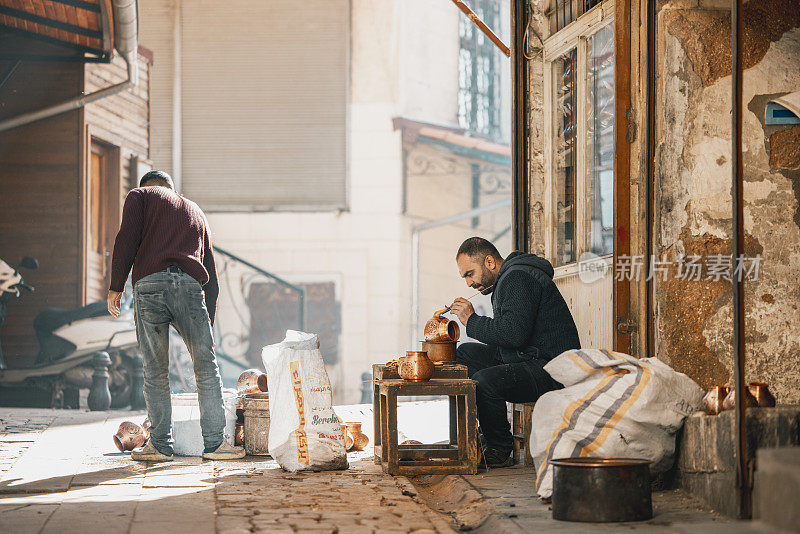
pixel 165 238
pixel 531 325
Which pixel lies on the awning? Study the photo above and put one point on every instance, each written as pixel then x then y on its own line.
pixel 83 25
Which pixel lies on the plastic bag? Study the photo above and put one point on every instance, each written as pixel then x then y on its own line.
pixel 612 405
pixel 304 432
pixel 186 430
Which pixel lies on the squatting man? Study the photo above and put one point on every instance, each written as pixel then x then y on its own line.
pixel 531 325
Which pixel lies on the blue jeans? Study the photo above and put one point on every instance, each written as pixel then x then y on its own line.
pixel 174 298
pixel 498 383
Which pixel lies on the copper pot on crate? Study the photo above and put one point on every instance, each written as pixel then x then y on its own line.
pixel 440 351
pixel 129 436
pixel 730 401
pixel 441 329
pixel 415 366
pixel 762 394
pixel 251 381
pixel 712 402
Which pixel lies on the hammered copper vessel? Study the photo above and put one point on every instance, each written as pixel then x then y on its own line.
pixel 129 436
pixel 763 396
pixel 730 401
pixel 440 351
pixel 238 437
pixel 712 402
pixel 440 328
pixel 348 441
pixel 415 366
pixel 360 440
pixel 251 381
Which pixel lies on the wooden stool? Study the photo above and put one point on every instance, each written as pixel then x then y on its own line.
pixel 521 420
pixel 381 372
pixel 459 456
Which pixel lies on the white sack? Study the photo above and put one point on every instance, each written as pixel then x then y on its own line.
pixel 612 405
pixel 304 432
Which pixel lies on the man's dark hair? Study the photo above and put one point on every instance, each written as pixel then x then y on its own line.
pixel 157 178
pixel 478 248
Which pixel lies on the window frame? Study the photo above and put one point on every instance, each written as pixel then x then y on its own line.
pixel 575 35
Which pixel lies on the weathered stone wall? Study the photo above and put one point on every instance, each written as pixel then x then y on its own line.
pixel 693 191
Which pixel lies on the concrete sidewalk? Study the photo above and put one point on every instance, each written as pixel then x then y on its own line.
pixel 61 473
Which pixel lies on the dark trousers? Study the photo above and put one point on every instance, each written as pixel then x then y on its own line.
pixel 499 383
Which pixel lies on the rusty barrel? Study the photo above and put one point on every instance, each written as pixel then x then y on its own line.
pixel 256 424
pixel 601 489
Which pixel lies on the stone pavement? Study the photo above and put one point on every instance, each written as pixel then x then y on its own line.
pixel 61 473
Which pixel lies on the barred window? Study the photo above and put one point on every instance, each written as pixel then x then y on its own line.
pixel 479 73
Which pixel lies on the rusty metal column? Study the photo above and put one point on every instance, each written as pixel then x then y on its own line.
pixel 742 472
pixel 520 199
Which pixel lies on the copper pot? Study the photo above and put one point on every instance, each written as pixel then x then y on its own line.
pixel 360 440
pixel 146 426
pixel 251 381
pixel 348 441
pixel 415 366
pixel 129 436
pixel 441 329
pixel 730 401
pixel 440 351
pixel 712 402
pixel 761 392
pixel 238 437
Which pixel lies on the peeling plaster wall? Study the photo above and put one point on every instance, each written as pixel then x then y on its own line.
pixel 693 191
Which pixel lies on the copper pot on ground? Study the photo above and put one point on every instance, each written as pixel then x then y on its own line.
pixel 439 329
pixel 415 366
pixel 251 381
pixel 440 351
pixel 129 436
pixel 761 392
pixel 730 401
pixel 712 402
pixel 238 437
pixel 360 440
pixel 348 441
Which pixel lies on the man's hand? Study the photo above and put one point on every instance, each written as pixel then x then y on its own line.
pixel 113 302
pixel 462 308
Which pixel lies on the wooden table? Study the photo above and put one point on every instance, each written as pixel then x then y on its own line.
pixel 459 456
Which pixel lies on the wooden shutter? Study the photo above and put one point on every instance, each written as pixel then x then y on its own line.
pixel 264 104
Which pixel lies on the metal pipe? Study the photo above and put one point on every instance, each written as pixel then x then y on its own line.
pixel 415 231
pixel 125 40
pixel 650 100
pixel 482 26
pixel 519 130
pixel 742 473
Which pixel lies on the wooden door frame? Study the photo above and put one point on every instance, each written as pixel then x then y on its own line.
pixel 89 139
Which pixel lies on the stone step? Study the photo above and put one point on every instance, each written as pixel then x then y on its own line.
pixel 776 489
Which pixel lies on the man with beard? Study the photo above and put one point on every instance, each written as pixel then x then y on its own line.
pixel 531 325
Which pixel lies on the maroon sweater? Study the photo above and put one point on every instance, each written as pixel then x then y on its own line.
pixel 160 228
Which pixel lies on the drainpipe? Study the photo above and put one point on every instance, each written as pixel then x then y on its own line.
pixel 415 231
pixel 125 41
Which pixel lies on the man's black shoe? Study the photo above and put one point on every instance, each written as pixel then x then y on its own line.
pixel 493 458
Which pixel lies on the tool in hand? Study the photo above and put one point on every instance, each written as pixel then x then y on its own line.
pixel 447 308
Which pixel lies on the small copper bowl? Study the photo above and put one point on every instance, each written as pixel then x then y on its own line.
pixel 129 436
pixel 730 401
pixel 251 381
pixel 415 366
pixel 761 392
pixel 712 402
pixel 440 351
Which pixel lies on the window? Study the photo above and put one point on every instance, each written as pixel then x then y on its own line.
pixel 579 101
pixel 479 73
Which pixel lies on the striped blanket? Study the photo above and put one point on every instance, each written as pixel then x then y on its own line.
pixel 612 405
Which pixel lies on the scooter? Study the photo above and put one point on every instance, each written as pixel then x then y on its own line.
pixel 80 348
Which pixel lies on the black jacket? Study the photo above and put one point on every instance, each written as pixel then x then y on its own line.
pixel 531 319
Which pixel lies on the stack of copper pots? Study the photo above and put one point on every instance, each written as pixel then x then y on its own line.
pixel 250 381
pixel 721 398
pixel 441 335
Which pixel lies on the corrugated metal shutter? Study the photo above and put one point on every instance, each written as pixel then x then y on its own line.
pixel 156 33
pixel 264 103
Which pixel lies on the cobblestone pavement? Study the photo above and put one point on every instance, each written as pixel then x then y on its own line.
pixel 61 473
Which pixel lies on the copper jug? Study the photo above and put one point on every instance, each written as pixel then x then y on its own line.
pixel 360 440
pixel 251 381
pixel 712 402
pixel 440 328
pixel 415 366
pixel 730 401
pixel 129 436
pixel 761 392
